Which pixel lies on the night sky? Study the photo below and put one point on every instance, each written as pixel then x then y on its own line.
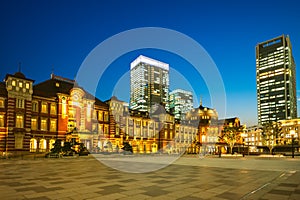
pixel 46 36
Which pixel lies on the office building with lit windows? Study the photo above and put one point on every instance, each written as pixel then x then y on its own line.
pixel 149 84
pixel 181 101
pixel 276 81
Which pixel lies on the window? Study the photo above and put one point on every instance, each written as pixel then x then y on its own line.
pixel 1 103
pixel 43 145
pixel 72 113
pixel 105 129
pixel 33 145
pixel 64 107
pixel 106 116
pixel 44 124
pixel 20 84
pixel 1 120
pixel 53 125
pixel 19 121
pixel 35 107
pixel 20 103
pixel 89 111
pixel 33 123
pixel 51 144
pixel 27 85
pixel 100 116
pixel 13 83
pixel 53 109
pixel 44 107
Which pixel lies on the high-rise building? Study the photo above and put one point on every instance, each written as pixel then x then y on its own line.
pixel 276 80
pixel 181 101
pixel 149 84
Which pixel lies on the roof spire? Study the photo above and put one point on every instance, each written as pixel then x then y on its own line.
pixel 200 100
pixel 52 72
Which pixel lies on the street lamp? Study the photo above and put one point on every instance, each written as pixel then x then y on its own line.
pixel 292 133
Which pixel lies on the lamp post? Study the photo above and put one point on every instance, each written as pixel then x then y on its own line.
pixel 292 133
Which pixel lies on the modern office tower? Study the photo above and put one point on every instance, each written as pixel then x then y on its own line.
pixel 149 84
pixel 181 101
pixel 275 80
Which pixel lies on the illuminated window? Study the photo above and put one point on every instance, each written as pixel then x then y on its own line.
pixel 53 109
pixel 19 121
pixel 33 123
pixel 51 144
pixel 44 107
pixel 72 113
pixel 33 145
pixel 53 125
pixel 64 107
pixel 1 120
pixel 106 116
pixel 20 103
pixel 35 106
pixel 105 129
pixel 44 124
pixel 43 145
pixel 13 83
pixel 100 116
pixel 27 85
pixel 1 103
pixel 20 84
pixel 89 111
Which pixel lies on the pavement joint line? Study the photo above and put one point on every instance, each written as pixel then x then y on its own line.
pixel 264 186
pixel 254 191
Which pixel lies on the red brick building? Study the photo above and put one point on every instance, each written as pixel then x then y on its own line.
pixel 32 116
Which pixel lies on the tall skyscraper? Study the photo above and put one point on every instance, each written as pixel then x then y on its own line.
pixel 275 80
pixel 149 84
pixel 181 101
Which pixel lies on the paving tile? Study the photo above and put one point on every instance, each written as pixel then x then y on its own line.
pixel 87 178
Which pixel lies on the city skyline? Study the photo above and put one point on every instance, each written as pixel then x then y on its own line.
pixel 56 36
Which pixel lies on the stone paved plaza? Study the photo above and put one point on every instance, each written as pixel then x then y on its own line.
pixel 189 177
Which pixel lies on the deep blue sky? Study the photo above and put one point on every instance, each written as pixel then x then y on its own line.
pixel 45 35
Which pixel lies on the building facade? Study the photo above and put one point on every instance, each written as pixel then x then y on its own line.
pixel 149 84
pixel 181 101
pixel 33 117
pixel 205 121
pixel 275 80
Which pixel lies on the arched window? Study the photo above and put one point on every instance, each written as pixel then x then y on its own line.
pixel 43 145
pixel 33 145
pixel 51 144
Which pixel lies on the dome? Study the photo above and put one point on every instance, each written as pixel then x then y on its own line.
pixel 19 75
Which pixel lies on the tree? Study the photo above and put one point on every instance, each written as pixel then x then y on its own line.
pixel 127 148
pixel 57 148
pixel 271 135
pixel 231 135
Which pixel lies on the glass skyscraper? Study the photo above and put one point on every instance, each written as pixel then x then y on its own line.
pixel 181 101
pixel 149 84
pixel 275 80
